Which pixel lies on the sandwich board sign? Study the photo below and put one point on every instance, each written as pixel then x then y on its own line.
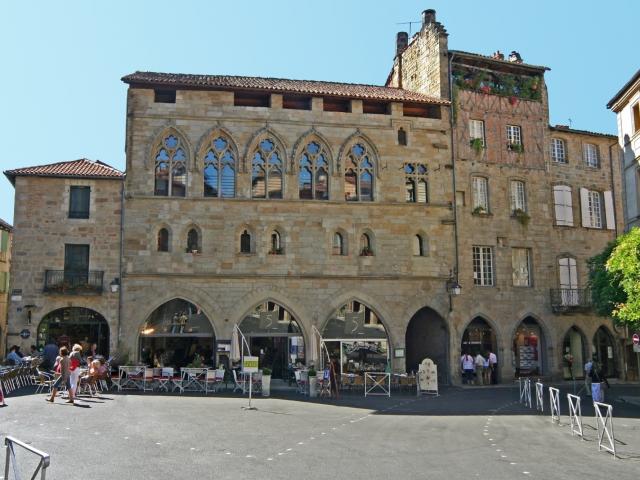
pixel 250 364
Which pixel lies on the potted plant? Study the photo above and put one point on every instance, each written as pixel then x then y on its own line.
pixel 522 216
pixel 477 145
pixel 266 382
pixel 515 147
pixel 312 382
pixel 479 210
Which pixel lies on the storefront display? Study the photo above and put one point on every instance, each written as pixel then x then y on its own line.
pixel 527 349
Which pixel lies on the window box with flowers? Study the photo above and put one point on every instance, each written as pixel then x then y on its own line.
pixel 480 211
pixel 522 216
pixel 477 145
pixel 515 147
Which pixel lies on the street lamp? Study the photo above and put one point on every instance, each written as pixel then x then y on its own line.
pixel 453 288
pixel 115 285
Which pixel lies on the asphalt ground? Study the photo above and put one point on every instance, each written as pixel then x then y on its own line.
pixel 464 433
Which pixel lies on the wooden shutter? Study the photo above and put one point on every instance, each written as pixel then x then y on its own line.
pixel 608 207
pixel 584 207
pixel 558 203
pixel 568 206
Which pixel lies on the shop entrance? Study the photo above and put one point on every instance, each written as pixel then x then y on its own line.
pixel 603 349
pixel 428 337
pixel 75 325
pixel 528 348
pixel 573 354
pixel 275 337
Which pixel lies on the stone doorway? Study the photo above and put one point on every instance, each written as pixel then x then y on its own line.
pixel 427 336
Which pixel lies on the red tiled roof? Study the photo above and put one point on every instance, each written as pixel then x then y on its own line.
pixel 565 128
pixel 278 85
pixel 5 226
pixel 76 168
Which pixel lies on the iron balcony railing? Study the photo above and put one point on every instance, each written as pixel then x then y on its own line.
pixel 570 299
pixel 73 283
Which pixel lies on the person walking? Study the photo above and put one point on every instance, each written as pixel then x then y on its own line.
pixel 75 359
pixel 587 376
pixel 467 364
pixel 62 367
pixel 479 363
pixel 493 365
pixel 50 353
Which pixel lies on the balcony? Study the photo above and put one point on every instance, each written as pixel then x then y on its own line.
pixel 59 282
pixel 568 300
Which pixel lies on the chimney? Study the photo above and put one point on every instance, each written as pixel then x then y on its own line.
pixel 402 40
pixel 428 16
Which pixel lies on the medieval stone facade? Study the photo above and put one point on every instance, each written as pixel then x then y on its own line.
pixel 6 235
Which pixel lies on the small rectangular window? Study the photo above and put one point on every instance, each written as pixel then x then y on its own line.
pixel 251 99
pixel 521 265
pixel 164 96
pixel 590 155
pixel 296 102
pixel 636 117
pixel 518 198
pixel 483 266
pixel 422 110
pixel 480 195
pixel 79 201
pixel 382 108
pixel 514 138
pixel 330 104
pixel 558 151
pixel 476 130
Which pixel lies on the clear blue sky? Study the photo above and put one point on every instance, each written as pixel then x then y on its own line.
pixel 61 97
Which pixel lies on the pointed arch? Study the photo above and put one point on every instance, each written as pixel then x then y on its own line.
pixel 218 159
pixel 252 145
pixel 353 139
pixel 311 135
pixel 171 157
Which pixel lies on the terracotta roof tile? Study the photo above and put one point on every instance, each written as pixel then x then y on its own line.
pixel 565 128
pixel 5 226
pixel 278 85
pixel 75 168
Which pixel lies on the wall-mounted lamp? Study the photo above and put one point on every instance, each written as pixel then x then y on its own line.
pixel 29 308
pixel 115 285
pixel 453 287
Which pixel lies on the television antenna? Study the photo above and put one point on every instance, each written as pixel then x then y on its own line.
pixel 410 24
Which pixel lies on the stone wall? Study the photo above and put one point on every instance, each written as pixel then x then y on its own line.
pixel 5 266
pixel 41 230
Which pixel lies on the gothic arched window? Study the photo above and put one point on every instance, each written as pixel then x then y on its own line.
pixel 245 242
pixel 313 178
pixel 219 169
pixel 358 175
pixel 193 241
pixel 266 173
pixel 163 240
pixel 170 168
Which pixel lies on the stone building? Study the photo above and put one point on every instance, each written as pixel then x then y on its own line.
pixel 626 104
pixel 5 263
pixel 66 254
pixel 533 204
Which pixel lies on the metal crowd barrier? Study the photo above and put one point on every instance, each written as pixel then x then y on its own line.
pixel 15 377
pixel 525 391
pixel 10 444
pixel 605 428
pixel 554 401
pixel 539 397
pixel 575 415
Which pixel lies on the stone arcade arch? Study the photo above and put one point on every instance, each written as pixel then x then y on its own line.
pixel 427 336
pixel 275 336
pixel 176 334
pixel 71 325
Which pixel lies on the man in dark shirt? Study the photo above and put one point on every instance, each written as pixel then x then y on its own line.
pixel 49 354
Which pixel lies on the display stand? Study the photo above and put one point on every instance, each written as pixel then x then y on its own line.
pixel 427 380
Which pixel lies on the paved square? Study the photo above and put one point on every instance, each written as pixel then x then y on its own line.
pixel 464 433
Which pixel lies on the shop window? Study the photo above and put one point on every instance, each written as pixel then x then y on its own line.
pixel 528 348
pixel 219 169
pixel 313 176
pixel 163 240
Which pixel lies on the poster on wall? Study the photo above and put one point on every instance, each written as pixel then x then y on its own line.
pixel 528 358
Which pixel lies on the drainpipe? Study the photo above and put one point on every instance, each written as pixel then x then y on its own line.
pixel 120 290
pixel 613 188
pixel 453 164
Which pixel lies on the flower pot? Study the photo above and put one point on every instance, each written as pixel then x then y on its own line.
pixel 266 385
pixel 312 387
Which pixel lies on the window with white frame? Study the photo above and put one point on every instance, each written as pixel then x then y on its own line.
pixel 518 198
pixel 591 203
pixel 590 155
pixel 558 151
pixel 483 266
pixel 521 264
pixel 568 276
pixel 514 137
pixel 563 205
pixel 480 195
pixel 476 130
